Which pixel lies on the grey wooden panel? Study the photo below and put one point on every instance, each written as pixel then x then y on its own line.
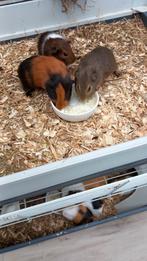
pixel 71 169
pixel 120 240
pixel 32 17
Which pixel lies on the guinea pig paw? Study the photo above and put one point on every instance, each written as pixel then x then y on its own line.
pixel 70 213
pixel 117 73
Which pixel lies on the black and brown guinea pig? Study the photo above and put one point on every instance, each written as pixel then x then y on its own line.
pixel 93 69
pixel 89 210
pixel 48 73
pixel 56 45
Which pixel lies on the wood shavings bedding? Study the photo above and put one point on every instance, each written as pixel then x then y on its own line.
pixel 43 226
pixel 32 135
pixel 27 231
pixel 30 132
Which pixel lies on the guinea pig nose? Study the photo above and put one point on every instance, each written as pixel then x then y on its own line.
pixel 89 88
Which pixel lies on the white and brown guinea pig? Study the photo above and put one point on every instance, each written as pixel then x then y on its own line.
pixel 56 45
pixel 48 73
pixel 93 69
pixel 88 210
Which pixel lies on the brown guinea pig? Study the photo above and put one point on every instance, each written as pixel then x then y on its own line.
pixel 93 69
pixel 55 45
pixel 48 73
pixel 87 211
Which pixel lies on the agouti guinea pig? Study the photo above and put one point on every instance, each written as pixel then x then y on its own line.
pixel 93 69
pixel 89 210
pixel 56 45
pixel 48 73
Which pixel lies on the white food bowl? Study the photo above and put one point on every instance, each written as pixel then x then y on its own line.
pixel 74 104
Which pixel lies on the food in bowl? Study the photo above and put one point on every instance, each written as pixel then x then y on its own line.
pixel 80 106
pixel 78 110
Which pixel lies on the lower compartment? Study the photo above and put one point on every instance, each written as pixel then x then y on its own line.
pixel 118 238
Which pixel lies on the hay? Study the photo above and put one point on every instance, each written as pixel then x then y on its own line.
pixel 27 231
pixel 69 4
pixel 32 135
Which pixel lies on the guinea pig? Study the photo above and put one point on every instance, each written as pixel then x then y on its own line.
pixel 88 210
pixel 93 69
pixel 56 45
pixel 48 73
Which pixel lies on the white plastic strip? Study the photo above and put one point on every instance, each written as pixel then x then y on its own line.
pixel 57 204
pixel 141 9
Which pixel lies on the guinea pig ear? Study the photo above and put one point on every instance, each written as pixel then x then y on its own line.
pixel 50 86
pixel 94 75
pixel 69 41
pixel 67 81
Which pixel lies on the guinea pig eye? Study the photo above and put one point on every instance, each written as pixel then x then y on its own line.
pixel 65 54
pixel 93 76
